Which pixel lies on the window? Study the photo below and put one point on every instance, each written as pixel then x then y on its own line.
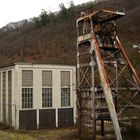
pixel 65 78
pixel 65 88
pixel 27 97
pixel 46 97
pixel 9 88
pixel 46 88
pixel 27 78
pixel 10 97
pixel 27 89
pixel 4 95
pixel 47 78
pixel 65 97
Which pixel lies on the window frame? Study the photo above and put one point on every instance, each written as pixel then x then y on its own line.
pixel 47 87
pixel 68 87
pixel 26 104
pixel 27 98
pixel 4 85
pixel 47 99
pixel 65 97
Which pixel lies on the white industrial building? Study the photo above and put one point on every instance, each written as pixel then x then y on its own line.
pixel 37 96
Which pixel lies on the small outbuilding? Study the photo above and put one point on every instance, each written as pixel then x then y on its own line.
pixel 37 96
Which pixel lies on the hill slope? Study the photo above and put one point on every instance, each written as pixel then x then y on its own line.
pixel 55 42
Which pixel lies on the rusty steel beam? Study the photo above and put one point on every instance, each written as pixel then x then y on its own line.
pixel 106 89
pixel 102 14
pixel 93 94
pixel 129 62
pixel 101 51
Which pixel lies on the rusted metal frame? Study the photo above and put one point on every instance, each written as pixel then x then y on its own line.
pixel 111 55
pixel 93 82
pixel 117 84
pixel 109 78
pixel 112 83
pixel 113 12
pixel 86 16
pixel 77 29
pixel 120 97
pixel 84 52
pixel 78 66
pixel 116 72
pixel 109 67
pixel 128 103
pixel 107 90
pixel 85 81
pixel 84 77
pixel 126 89
pixel 126 107
pixel 84 27
pixel 88 78
pixel 108 19
pixel 93 95
pixel 95 70
pixel 78 79
pixel 132 105
pixel 84 65
pixel 119 73
pixel 102 128
pixel 77 102
pixel 87 25
pixel 85 101
pixel 129 62
pixel 133 84
pixel 95 13
pixel 130 94
pixel 111 15
pixel 136 94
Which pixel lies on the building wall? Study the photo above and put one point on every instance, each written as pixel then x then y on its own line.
pixel 37 110
pixel 6 97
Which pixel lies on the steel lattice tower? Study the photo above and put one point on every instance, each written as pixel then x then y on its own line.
pixel 107 83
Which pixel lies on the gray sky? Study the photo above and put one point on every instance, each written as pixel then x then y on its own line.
pixel 15 10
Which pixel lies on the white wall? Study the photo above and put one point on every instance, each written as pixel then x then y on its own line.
pixel 37 87
pixel 6 69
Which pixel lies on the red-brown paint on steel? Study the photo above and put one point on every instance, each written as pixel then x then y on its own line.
pixel 128 61
pixel 107 90
pixel 97 47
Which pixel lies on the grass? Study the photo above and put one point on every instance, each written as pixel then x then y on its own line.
pixel 5 135
pixel 55 134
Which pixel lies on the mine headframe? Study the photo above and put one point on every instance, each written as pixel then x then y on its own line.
pixel 107 83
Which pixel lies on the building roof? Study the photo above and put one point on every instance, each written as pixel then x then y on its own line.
pixel 102 16
pixel 25 63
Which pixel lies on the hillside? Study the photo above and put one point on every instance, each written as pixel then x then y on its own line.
pixel 54 41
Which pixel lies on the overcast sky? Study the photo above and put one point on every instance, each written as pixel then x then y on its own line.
pixel 15 10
